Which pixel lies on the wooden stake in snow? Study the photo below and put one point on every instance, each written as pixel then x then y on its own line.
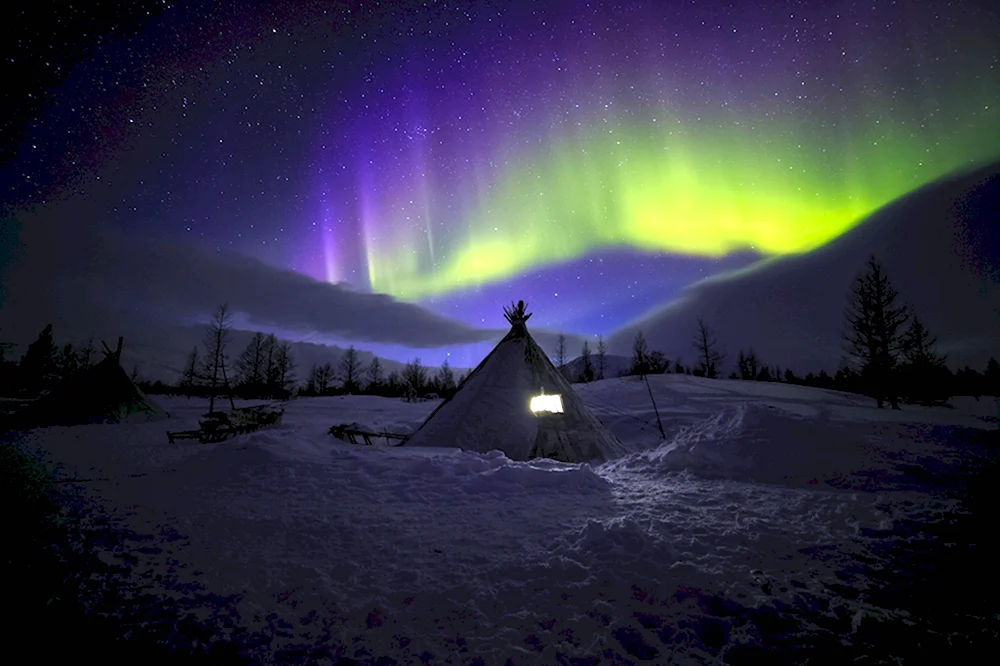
pixel 659 424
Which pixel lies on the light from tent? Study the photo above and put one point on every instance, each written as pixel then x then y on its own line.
pixel 547 403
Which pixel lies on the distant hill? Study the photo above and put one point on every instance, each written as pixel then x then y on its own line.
pixel 613 366
pixel 940 246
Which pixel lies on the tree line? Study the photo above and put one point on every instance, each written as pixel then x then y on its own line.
pixel 644 361
pixel 889 354
pixel 43 365
pixel 264 369
pixel 414 381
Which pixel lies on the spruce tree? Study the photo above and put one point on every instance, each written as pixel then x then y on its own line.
pixel 923 372
pixel 350 370
pixel 39 368
pixel 874 338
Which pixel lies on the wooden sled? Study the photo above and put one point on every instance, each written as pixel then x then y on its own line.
pixel 345 431
pixel 219 426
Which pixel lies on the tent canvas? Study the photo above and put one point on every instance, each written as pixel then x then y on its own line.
pixel 492 409
pixel 102 393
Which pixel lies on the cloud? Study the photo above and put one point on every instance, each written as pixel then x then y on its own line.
pixel 940 246
pixel 83 277
pixel 93 282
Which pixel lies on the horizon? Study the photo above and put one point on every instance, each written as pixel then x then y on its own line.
pixel 390 176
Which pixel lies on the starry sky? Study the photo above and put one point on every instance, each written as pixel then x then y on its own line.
pixel 592 158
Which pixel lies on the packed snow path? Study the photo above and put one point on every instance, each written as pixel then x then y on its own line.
pixel 762 495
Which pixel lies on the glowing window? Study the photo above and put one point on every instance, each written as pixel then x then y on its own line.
pixel 547 403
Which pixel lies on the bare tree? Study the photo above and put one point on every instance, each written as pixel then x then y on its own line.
pixel 216 338
pixel 656 362
pixel 350 370
pixel 874 318
pixel 561 352
pixel 602 353
pixel 394 383
pixel 709 357
pixel 190 376
pixel 323 378
pixel 414 379
pixel 284 369
pixel 446 379
pixel 374 374
pixel 250 364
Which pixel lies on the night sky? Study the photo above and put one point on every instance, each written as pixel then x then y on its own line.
pixel 592 158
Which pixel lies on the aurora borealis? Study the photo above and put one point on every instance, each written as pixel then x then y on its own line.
pixel 593 157
pixel 772 133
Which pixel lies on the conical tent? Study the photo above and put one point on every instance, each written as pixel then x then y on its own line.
pixel 102 393
pixel 516 401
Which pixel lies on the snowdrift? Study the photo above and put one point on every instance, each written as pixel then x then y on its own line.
pixel 757 442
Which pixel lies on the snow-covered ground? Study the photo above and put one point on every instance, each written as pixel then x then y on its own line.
pixel 762 495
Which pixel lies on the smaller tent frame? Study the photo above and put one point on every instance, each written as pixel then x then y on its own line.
pixel 101 393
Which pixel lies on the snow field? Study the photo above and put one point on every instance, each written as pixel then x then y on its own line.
pixel 761 494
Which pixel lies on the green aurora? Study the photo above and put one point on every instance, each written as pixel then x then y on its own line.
pixel 663 185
